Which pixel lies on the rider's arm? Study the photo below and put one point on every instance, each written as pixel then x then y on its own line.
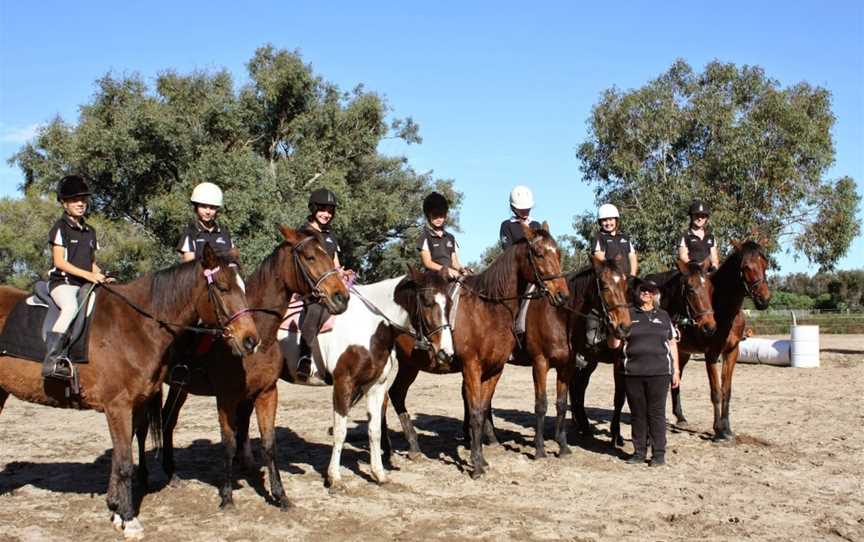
pixel 428 263
pixel 634 263
pixel 715 258
pixel 58 255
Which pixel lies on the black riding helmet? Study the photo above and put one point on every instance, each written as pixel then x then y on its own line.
pixel 698 208
pixel 321 196
pixel 435 204
pixel 71 186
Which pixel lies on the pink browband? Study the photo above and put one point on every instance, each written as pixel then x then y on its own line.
pixel 209 274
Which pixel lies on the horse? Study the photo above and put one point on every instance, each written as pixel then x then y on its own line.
pixel 358 353
pixel 133 326
pixel 740 275
pixel 483 332
pixel 297 265
pixel 686 294
pixel 553 336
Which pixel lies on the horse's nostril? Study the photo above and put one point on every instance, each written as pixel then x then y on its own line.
pixel 250 343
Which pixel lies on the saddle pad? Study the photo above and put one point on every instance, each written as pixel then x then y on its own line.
pixel 22 335
pixel 295 310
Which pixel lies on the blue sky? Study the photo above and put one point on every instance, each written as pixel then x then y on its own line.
pixel 501 90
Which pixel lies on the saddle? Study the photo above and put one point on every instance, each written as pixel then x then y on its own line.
pixel 289 343
pixel 31 319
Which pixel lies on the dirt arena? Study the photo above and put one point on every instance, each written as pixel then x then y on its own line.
pixel 796 471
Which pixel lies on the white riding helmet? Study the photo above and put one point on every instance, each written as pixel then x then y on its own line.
pixel 521 198
pixel 207 194
pixel 607 210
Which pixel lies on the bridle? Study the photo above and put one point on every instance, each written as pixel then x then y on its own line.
pixel 692 314
pixel 603 305
pixel 314 286
pixel 540 279
pixel 423 337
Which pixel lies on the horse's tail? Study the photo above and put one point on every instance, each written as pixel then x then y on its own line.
pixel 154 421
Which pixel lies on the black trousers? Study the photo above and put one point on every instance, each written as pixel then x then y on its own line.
pixel 313 318
pixel 646 396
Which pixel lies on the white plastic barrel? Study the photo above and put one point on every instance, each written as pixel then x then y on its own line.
pixel 805 346
pixel 769 351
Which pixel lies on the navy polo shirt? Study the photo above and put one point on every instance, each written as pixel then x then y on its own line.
pixel 697 248
pixel 195 236
pixel 511 231
pixel 646 352
pixel 79 247
pixel 441 248
pixel 328 240
pixel 612 246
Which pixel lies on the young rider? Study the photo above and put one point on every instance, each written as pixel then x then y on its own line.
pixel 697 243
pixel 207 201
pixel 73 246
pixel 521 203
pixel 438 248
pixel 610 242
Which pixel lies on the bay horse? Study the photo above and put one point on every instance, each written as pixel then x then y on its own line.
pixel 297 265
pixel 740 275
pixel 483 332
pixel 133 326
pixel 686 294
pixel 359 356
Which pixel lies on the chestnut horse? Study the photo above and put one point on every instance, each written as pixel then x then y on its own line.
pixel 298 265
pixel 483 332
pixel 740 275
pixel 686 294
pixel 133 326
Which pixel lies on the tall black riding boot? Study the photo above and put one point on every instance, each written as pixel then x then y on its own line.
pixel 55 350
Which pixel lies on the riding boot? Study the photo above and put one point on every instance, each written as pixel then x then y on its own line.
pixel 638 458
pixel 579 361
pixel 55 351
pixel 304 362
pixel 658 459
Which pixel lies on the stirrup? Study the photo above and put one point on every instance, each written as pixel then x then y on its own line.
pixel 62 369
pixel 305 372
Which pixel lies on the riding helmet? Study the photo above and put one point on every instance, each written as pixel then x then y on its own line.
pixel 521 198
pixel 71 186
pixel 207 194
pixel 607 210
pixel 321 196
pixel 435 204
pixel 699 208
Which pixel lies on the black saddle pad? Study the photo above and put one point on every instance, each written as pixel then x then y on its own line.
pixel 22 335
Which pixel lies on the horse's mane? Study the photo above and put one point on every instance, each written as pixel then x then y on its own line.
pixel 268 269
pixel 662 279
pixel 730 266
pixel 173 287
pixel 499 279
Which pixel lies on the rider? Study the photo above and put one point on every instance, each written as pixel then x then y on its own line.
pixel 697 243
pixel 207 201
pixel 610 242
pixel 438 248
pixel 322 210
pixel 521 203
pixel 73 246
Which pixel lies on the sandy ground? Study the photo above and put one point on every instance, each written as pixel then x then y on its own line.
pixel 796 471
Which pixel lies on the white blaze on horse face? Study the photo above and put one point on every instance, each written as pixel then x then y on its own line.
pixel 616 278
pixel 701 278
pixel 446 337
pixel 240 282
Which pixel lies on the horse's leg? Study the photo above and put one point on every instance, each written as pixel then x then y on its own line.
pixel 472 394
pixel 564 376
pixel 488 389
pixel 265 411
pixel 539 368
pixel 244 443
pixel 618 401
pixel 712 366
pixel 119 496
pixel 677 409
pixel 386 445
pixel 141 428
pixel 3 396
pixel 374 401
pixel 578 385
pixel 729 361
pixel 170 414
pixel 405 376
pixel 227 423
pixel 489 436
pixel 343 390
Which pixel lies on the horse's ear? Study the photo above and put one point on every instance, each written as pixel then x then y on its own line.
pixel 413 274
pixel 529 233
pixel 209 259
pixel 233 255
pixel 545 226
pixel 705 265
pixel 684 268
pixel 292 236
pixel 736 245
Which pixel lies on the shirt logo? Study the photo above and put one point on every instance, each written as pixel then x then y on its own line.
pixel 73 240
pixel 449 244
pixel 220 240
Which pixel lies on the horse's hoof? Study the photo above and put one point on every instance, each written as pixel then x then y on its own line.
pixel 285 504
pixel 564 451
pixel 476 474
pixel 133 530
pixel 227 505
pixel 682 423
pixel 540 454
pixel 336 487
pixel 415 455
pixel 618 441
pixel 116 522
pixel 381 479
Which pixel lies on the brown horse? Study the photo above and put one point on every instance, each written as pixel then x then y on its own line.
pixel 133 326
pixel 553 335
pixel 740 275
pixel 686 294
pixel 483 334
pixel 298 265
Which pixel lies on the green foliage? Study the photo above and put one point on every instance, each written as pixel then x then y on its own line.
pixel 732 137
pixel 267 145
pixel 835 290
pixel 789 300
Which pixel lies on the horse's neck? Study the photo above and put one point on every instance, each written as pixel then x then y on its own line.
pixel 271 294
pixel 584 293
pixel 729 292
pixel 671 298
pixel 381 295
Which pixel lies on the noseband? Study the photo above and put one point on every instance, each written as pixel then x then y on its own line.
pixel 221 311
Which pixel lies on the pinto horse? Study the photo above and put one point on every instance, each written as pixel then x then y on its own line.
pixel 298 265
pixel 358 353
pixel 132 329
pixel 742 274
pixel 483 332
pixel 686 294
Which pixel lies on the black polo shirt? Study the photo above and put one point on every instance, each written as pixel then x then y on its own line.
pixel 195 236
pixel 612 246
pixel 331 245
pixel 646 352
pixel 79 248
pixel 511 231
pixel 697 249
pixel 441 248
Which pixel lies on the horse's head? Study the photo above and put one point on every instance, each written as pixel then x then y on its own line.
pixel 612 288
pixel 311 271
pixel 753 267
pixel 698 291
pixel 542 264
pixel 424 295
pixel 224 304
